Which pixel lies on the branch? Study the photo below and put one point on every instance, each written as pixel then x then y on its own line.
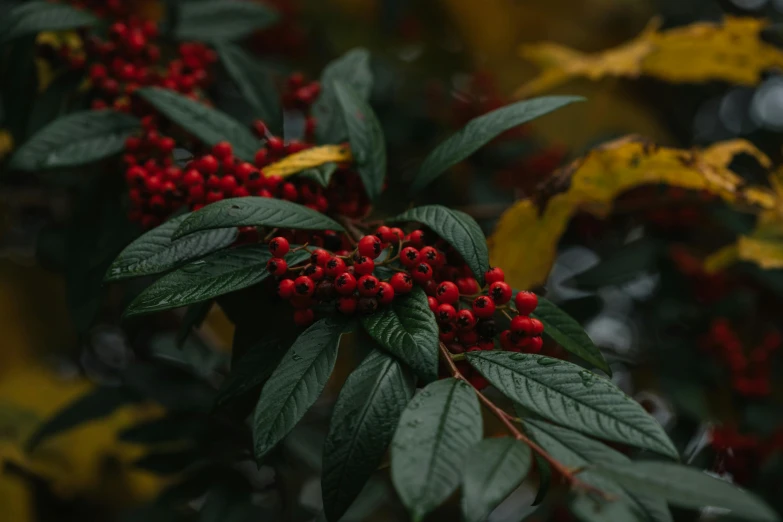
pixel 354 234
pixel 508 422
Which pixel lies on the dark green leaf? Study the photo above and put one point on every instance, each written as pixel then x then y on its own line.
pixel 572 396
pixel 366 138
pixel 569 334
pixel 168 462
pixel 209 125
pixel 194 316
pixel 256 211
pixel 621 265
pixel 362 426
pixel 480 131
pixel 436 430
pixel 687 487
pixel 321 174
pixel 544 479
pixel 210 21
pixel 255 83
pixel 34 17
pixel 76 139
pixel 93 405
pixel 169 429
pixel 154 252
pixel 252 369
pixel 217 274
pixel 407 329
pixel 295 384
pixel 493 469
pixel 456 228
pixel 353 69
pixel 230 502
pixel 53 101
pixel 577 451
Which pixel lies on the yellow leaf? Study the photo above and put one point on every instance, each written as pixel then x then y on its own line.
pixel 732 51
pixel 767 253
pixel 308 159
pixel 6 143
pixel 525 240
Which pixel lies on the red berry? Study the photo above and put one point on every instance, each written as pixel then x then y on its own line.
pixel 223 150
pixel 304 286
pixel 240 192
pixel 445 313
pixel 334 267
pixel 505 340
pixel 288 192
pixel 277 266
pixel 314 272
pixel 153 184
pixel 447 292
pixel 368 286
pixel 422 273
pixel 416 238
pixel 345 283
pixel 261 158
pixel 447 333
pixel 135 175
pixel 486 344
pixel 483 307
pixel 465 320
pixel 536 326
pixel 364 265
pixel 275 144
pixel 279 246
pixel 433 303
pixel 385 293
pixel 196 193
pixel 409 257
pixel 494 275
pixel 320 257
pixel 468 337
pixel 228 184
pixel 192 177
pixel 478 381
pixel 285 288
pixel 526 302
pixel 533 344
pixel 304 317
pixel 500 292
pixel 347 305
pixel 387 234
pixel 467 286
pixel 431 256
pixel 401 282
pixel 214 196
pixel 367 305
pixel 208 164
pixel 523 324
pixel 370 247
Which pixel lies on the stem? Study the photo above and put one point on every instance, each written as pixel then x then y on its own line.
pixel 508 422
pixel 354 234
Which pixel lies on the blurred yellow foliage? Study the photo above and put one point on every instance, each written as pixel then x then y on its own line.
pixel 6 143
pixel 732 51
pixel 308 159
pixel 525 240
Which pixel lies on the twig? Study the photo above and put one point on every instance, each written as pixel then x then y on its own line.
pixel 508 422
pixel 354 234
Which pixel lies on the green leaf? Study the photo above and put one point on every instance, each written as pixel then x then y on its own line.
pixel 353 69
pixel 577 451
pixel 362 426
pixel 209 125
pixel 229 502
pixel 209 21
pixel 436 430
pixel 174 427
pixel 569 334
pixel 687 487
pixel 493 469
pixel 366 138
pixel 254 83
pixel 54 101
pixel 407 329
pixel 572 396
pixel 217 274
pixel 295 384
pixel 321 174
pixel 621 265
pixel 480 131
pixel 544 479
pixel 456 228
pixel 257 212
pixel 34 17
pixel 154 252
pixel 76 139
pixel 95 404
pixel 194 316
pixel 252 369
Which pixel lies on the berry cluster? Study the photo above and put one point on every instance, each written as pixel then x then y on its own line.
pixel 388 264
pixel 130 58
pixel 742 454
pixel 750 372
